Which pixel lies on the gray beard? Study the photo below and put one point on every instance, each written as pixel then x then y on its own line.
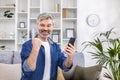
pixel 39 33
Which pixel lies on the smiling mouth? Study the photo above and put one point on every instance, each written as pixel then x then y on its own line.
pixel 45 32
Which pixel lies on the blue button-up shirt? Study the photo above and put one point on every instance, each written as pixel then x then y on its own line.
pixel 57 59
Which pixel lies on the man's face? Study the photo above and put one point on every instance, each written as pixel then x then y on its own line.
pixel 45 28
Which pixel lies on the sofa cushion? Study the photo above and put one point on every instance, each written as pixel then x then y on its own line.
pixel 6 57
pixel 10 71
pixel 16 57
pixel 86 73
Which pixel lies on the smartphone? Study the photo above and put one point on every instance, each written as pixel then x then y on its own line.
pixel 71 41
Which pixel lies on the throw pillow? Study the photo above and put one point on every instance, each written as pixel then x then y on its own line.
pixel 60 74
pixel 10 71
pixel 86 73
pixel 16 57
pixel 6 57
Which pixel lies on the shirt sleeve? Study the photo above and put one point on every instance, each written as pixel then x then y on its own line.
pixel 25 51
pixel 66 68
pixel 26 66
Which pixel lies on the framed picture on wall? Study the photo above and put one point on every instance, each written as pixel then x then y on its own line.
pixel 22 24
pixel 55 37
pixel 70 32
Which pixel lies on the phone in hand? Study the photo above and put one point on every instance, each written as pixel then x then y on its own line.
pixel 72 41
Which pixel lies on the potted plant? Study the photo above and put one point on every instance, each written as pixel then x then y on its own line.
pixel 106 50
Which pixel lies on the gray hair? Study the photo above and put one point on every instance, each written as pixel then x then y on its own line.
pixel 44 16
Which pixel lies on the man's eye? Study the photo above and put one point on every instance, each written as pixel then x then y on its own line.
pixel 49 25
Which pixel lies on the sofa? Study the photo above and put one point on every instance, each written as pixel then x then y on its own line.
pixel 10 65
pixel 10 68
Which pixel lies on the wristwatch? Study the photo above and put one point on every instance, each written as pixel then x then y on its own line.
pixel 93 20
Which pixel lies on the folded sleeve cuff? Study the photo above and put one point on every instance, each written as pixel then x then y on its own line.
pixel 66 68
pixel 26 67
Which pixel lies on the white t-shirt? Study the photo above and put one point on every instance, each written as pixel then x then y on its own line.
pixel 46 75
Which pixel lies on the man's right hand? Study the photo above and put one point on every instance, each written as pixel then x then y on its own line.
pixel 36 42
pixel 31 61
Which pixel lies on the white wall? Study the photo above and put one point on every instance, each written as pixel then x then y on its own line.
pixel 109 13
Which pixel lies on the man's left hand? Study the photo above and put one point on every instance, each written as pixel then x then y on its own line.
pixel 70 51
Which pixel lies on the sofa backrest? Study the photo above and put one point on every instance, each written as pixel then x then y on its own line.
pixel 10 57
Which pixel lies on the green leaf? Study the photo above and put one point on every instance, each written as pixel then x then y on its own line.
pixel 107 75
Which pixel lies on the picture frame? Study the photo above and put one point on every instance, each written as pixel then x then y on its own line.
pixel 70 32
pixel 55 37
pixel 22 24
